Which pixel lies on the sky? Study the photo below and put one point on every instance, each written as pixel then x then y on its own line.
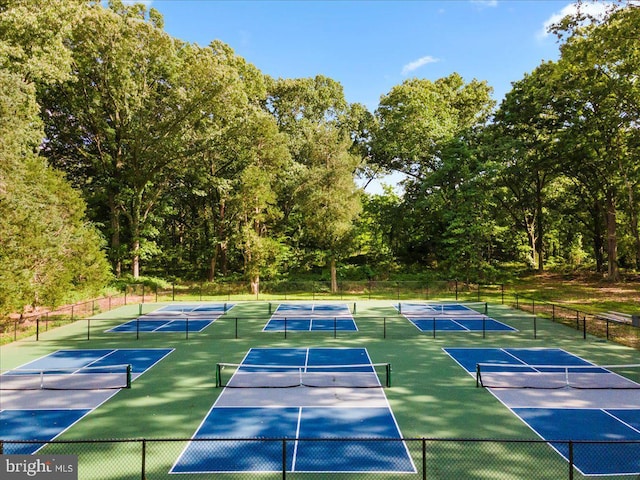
pixel 370 46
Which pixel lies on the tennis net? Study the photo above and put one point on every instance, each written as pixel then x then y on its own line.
pixel 85 378
pixel 277 376
pixel 558 376
pixel 460 309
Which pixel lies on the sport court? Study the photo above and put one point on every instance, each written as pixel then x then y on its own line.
pixel 316 399
pixel 561 396
pixel 45 397
pixel 311 317
pixel 191 317
pixel 450 317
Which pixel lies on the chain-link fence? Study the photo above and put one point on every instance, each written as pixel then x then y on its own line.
pixel 338 458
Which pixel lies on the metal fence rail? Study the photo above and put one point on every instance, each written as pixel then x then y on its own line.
pixel 152 459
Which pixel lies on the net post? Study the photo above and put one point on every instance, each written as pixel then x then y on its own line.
pixel 38 331
pixel 535 328
pixel 186 328
pixel 335 327
pixel 434 327
pixel 128 376
pixel 384 327
pixel 400 308
pixel 269 308
pixel 584 327
pixel 477 375
pixel 484 328
pixel 88 328
pixel 139 309
pixel 354 308
pixel 224 309
pixel 486 308
pixel 236 322
pixel 388 372
pixel 138 328
pixel 285 328
pixel 218 376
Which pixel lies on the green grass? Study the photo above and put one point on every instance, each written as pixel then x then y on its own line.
pixel 431 396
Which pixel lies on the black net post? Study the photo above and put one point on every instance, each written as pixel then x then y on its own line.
pixel 484 325
pixel 384 327
pixel 88 329
pixel 584 327
pixel 335 327
pixel 186 328
pixel 218 376
pixel 236 327
pixel 388 374
pixel 285 328
pixel 434 327
pixel 424 459
pixel 38 328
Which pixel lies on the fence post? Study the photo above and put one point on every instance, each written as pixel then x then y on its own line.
pixel 570 460
pixel 284 458
pixel 143 475
pixel 424 459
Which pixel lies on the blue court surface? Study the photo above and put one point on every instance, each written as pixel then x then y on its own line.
pixel 176 318
pixel 311 317
pixel 579 414
pixel 450 317
pixel 45 414
pixel 311 420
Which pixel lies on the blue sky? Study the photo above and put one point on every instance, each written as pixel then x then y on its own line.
pixel 370 46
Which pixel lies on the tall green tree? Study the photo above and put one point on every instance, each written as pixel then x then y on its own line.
pixel 48 251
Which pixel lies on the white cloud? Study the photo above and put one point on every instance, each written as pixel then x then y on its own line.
pixel 595 9
pixel 411 66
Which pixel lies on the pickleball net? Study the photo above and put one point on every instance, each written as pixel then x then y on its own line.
pixel 278 376
pixel 85 378
pixel 492 375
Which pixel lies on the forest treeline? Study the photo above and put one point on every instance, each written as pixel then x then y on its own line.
pixel 127 151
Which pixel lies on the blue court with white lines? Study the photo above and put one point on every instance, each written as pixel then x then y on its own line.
pixel 450 317
pixel 311 317
pixel 42 412
pixel 314 422
pixel 562 396
pixel 191 317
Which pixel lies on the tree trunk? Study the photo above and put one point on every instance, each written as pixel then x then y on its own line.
pixel 115 237
pixel 539 241
pixel 255 284
pixel 334 275
pixel 612 241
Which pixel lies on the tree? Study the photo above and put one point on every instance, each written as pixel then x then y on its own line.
pixel 126 122
pixel 599 64
pixel 48 251
pixel 424 130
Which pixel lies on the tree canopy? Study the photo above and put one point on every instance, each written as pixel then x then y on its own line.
pixel 127 150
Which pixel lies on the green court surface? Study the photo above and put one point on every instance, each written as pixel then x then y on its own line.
pixel 430 396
